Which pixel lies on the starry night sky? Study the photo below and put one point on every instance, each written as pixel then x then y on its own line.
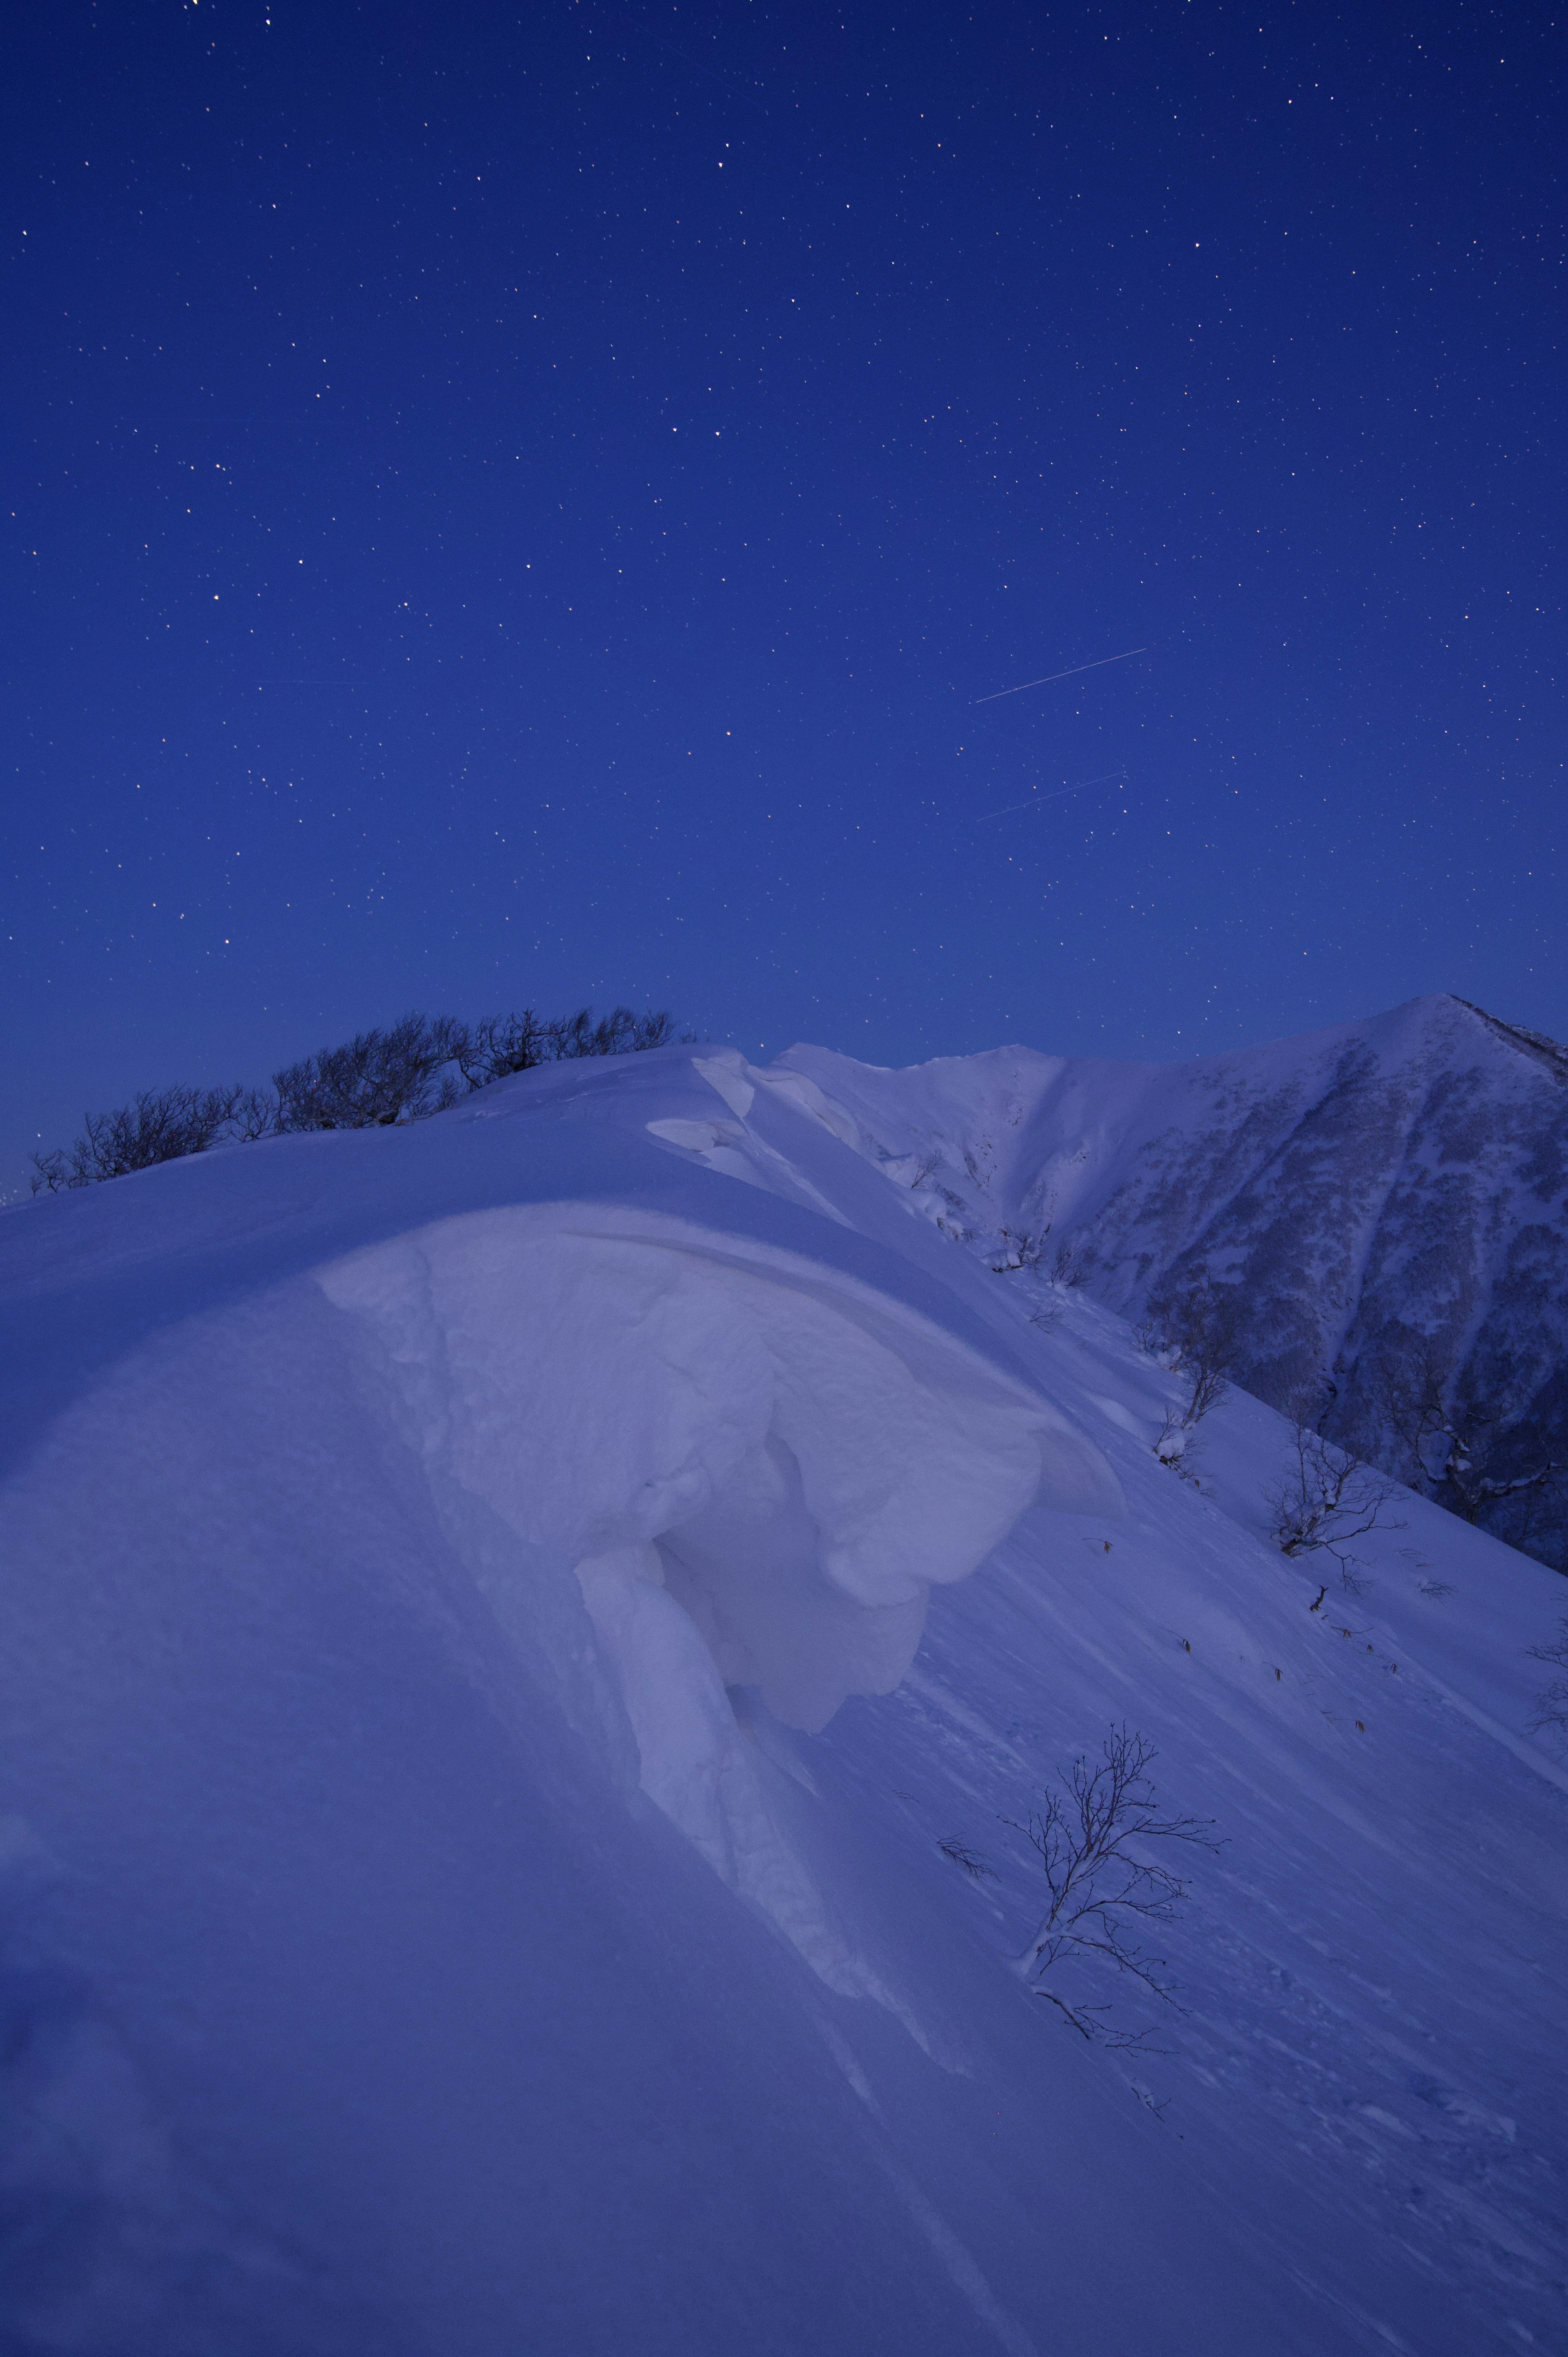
pixel 516 508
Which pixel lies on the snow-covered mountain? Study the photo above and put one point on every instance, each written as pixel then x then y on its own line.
pixel 529 1647
pixel 1396 1182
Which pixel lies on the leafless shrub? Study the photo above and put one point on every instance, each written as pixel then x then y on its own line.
pixel 1552 1711
pixel 1207 1386
pixel 1324 1499
pixel 1070 1262
pixel 255 1116
pixel 414 1067
pixel 960 1852
pixel 497 1046
pixel 1021 1248
pixel 424 1063
pixel 1450 1439
pixel 1200 1325
pixel 158 1125
pixel 372 1080
pixel 1091 1839
pixel 1195 1330
pixel 1170 1444
pixel 618 1033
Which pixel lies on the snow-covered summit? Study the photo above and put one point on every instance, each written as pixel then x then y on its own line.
pixel 528 1641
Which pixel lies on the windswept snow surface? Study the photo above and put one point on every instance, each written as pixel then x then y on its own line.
pixel 501 1618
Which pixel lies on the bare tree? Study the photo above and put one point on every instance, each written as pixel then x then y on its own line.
pixel 1104 1892
pixel 1170 1441
pixel 618 1033
pixel 961 1854
pixel 1196 1328
pixel 1451 1440
pixel 1071 1262
pixel 1552 1707
pixel 419 1065
pixel 422 1064
pixel 374 1079
pixel 1025 1248
pixel 255 1116
pixel 1021 1248
pixel 497 1046
pixel 158 1125
pixel 1326 1499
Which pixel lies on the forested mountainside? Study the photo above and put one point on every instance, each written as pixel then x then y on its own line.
pixel 1385 1204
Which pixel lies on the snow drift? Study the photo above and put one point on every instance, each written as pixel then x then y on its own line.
pixel 755 1469
pixel 499 1622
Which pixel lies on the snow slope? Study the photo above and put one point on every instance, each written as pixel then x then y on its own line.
pixel 500 1617
pixel 1404 1175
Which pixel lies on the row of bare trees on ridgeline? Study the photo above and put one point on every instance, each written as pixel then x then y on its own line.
pixel 420 1065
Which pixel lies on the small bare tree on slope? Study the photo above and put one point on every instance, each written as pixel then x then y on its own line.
pixel 1197 1329
pixel 1092 1839
pixel 1326 1499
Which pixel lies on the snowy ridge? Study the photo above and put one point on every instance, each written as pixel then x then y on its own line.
pixel 501 1620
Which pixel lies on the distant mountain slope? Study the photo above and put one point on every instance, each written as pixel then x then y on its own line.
pixel 1381 1193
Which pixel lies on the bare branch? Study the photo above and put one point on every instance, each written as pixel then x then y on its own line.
pixel 419 1065
pixel 1196 1331
pixel 1021 1248
pixel 158 1125
pixel 1324 1499
pixel 1105 1892
pixel 970 1859
pixel 373 1081
pixel 1071 1262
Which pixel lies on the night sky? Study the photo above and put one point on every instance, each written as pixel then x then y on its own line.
pixel 511 508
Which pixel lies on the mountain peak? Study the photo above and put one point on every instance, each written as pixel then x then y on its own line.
pixel 1545 1051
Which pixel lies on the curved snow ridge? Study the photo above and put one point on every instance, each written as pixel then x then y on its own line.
pixel 758 1468
pixel 735 1150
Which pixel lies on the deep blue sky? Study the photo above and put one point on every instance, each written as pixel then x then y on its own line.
pixel 521 507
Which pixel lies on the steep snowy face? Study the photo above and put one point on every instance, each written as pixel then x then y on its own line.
pixel 1395 1183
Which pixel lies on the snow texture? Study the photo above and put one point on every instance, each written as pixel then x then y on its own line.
pixel 501 1620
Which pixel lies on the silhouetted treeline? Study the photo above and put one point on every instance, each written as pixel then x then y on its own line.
pixel 417 1066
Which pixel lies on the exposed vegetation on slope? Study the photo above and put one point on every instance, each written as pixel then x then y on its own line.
pixel 419 1065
